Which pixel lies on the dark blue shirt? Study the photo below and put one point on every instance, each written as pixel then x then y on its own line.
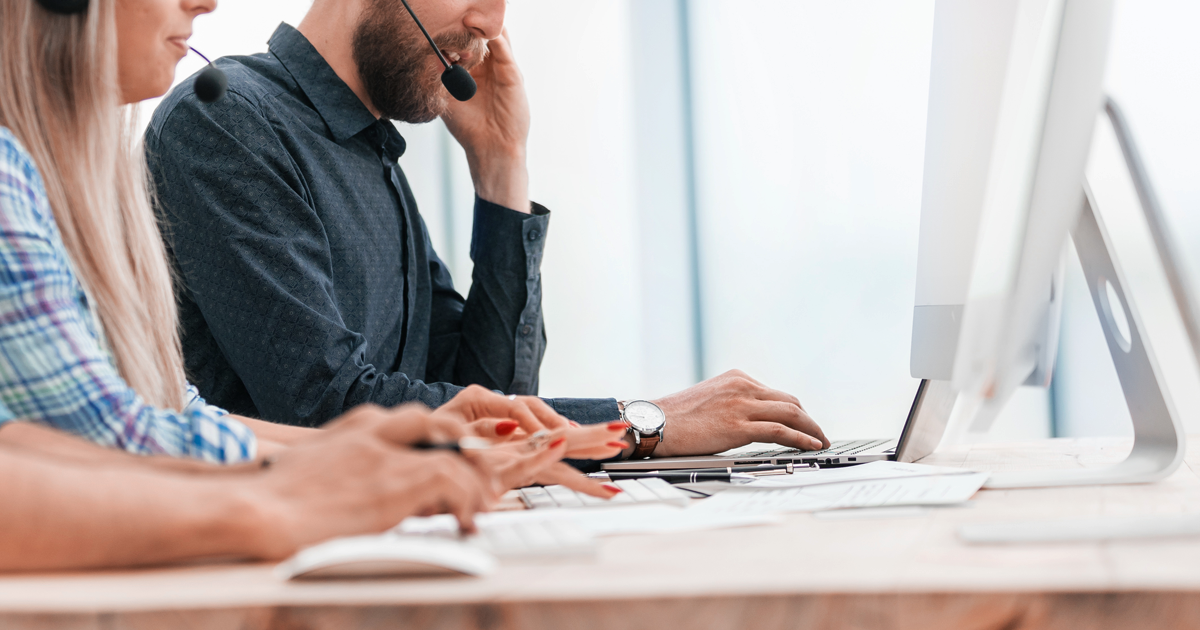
pixel 307 280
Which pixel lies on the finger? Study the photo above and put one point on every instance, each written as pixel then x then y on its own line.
pixel 562 474
pixel 500 48
pixel 410 424
pixel 780 434
pixel 763 392
pixel 512 408
pixel 463 491
pixel 785 413
pixel 596 441
pixel 545 414
pixel 595 434
pixel 524 469
pixel 600 452
pixel 494 428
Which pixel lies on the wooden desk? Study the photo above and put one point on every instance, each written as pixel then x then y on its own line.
pixel 890 573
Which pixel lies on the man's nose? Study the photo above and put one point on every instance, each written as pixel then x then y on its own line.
pixel 485 18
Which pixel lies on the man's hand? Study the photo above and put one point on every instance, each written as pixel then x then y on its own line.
pixel 493 128
pixel 732 410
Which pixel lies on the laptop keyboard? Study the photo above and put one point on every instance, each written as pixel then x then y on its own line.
pixel 633 491
pixel 842 447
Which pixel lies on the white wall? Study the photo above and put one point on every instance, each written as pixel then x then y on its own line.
pixel 809 120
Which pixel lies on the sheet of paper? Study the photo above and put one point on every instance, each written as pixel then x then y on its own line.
pixel 924 490
pixel 604 521
pixel 862 472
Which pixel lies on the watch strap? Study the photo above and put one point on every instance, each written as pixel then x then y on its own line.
pixel 645 447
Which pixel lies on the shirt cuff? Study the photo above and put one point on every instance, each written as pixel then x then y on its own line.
pixel 502 236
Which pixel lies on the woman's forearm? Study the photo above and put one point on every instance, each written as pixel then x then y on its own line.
pixel 54 445
pixel 282 434
pixel 66 516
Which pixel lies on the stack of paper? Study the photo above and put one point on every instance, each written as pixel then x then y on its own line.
pixel 877 484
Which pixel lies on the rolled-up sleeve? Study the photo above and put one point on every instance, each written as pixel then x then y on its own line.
pixel 498 340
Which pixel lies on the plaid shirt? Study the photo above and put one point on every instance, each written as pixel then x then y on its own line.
pixel 54 364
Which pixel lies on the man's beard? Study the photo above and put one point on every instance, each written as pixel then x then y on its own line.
pixel 393 62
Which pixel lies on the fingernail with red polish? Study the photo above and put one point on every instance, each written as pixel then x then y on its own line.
pixel 612 488
pixel 617 426
pixel 557 443
pixel 505 427
pixel 620 445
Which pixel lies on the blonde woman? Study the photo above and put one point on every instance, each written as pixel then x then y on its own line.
pixel 88 324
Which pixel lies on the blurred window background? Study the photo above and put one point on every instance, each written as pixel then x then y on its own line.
pixel 738 185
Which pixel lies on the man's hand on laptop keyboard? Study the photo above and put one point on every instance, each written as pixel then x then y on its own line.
pixel 733 410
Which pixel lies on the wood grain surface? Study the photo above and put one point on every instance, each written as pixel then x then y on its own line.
pixel 890 572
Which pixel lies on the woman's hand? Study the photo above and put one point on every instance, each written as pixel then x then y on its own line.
pixel 516 465
pixel 514 418
pixel 360 476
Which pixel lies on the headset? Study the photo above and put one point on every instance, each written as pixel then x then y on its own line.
pixel 211 83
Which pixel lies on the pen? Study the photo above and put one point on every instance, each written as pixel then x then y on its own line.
pixel 765 468
pixel 438 446
pixel 466 443
pixel 678 477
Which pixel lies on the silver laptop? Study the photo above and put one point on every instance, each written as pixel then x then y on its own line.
pixel 922 431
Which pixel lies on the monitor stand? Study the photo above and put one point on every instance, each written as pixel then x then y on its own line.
pixel 1158 435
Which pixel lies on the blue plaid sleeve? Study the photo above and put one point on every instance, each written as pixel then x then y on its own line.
pixel 53 367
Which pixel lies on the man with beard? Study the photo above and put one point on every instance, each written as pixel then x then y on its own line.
pixel 308 283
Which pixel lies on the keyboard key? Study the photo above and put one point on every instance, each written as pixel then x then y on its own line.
pixel 633 491
pixel 537 498
pixel 636 490
pixel 535 540
pixel 564 496
pixel 665 491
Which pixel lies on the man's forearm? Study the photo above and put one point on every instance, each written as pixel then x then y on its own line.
pixel 68 516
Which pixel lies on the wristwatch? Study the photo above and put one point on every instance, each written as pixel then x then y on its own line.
pixel 646 421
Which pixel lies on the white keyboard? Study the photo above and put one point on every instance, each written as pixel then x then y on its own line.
pixel 534 540
pixel 507 535
pixel 432 547
pixel 634 491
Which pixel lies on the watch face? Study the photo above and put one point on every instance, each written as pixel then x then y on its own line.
pixel 645 416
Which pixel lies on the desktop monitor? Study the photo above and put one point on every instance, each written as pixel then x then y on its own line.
pixel 1015 86
pixel 1015 90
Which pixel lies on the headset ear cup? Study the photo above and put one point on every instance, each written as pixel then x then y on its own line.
pixel 64 7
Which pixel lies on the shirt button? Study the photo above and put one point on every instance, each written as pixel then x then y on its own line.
pixel 526 329
pixel 534 235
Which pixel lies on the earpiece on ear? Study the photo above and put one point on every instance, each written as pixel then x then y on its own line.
pixel 64 7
